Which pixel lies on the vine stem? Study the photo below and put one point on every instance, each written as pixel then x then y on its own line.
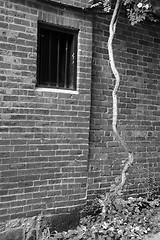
pixel 112 30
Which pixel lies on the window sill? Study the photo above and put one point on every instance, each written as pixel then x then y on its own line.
pixel 40 89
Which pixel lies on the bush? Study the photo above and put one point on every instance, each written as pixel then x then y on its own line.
pixel 124 219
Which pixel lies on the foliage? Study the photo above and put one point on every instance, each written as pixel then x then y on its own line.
pixel 137 10
pixel 124 220
pixel 104 5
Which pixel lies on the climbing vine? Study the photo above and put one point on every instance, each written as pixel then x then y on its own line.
pixel 137 11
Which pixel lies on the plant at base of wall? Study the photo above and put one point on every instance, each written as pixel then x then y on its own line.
pixel 135 218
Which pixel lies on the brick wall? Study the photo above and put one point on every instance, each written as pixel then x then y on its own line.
pixel 43 134
pixel 137 56
pixel 76 3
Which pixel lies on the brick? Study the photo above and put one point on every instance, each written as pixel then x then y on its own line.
pixel 18 215
pixel 33 213
pixel 8 198
pixel 15 210
pixel 3 192
pixel 4 218
pixel 9 173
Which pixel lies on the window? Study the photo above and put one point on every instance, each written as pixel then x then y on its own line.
pixel 57 57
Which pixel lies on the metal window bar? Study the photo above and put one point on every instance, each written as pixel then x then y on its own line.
pixel 66 63
pixel 41 59
pixel 50 66
pixel 72 64
pixel 58 51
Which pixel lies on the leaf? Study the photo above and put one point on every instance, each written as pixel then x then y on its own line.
pixel 112 187
pixel 117 179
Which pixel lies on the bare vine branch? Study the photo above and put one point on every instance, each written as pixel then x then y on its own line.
pixel 112 30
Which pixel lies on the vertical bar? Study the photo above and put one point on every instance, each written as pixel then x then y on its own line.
pixel 49 68
pixel 72 63
pixel 40 56
pixel 75 41
pixel 58 48
pixel 66 63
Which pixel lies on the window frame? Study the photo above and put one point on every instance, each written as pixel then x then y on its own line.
pixel 62 29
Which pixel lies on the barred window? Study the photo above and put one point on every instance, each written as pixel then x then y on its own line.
pixel 57 57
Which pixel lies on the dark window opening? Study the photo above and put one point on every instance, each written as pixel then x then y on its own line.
pixel 57 57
